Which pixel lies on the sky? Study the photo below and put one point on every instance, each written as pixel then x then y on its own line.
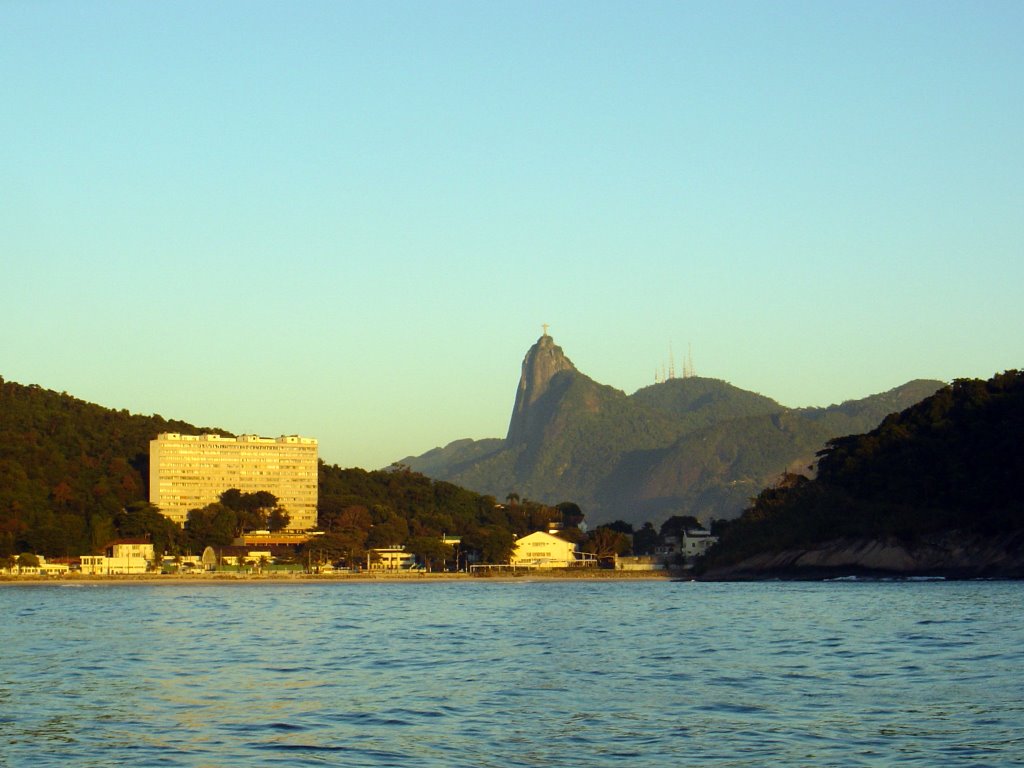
pixel 349 220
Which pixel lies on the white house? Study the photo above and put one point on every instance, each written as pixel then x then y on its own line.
pixel 696 542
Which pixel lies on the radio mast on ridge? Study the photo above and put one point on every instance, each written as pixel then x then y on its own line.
pixel 688 369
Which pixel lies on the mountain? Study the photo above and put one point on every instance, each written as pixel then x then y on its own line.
pixel 694 445
pixel 933 490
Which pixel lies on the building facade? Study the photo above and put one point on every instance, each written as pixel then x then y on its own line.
pixel 389 559
pixel 696 542
pixel 190 471
pixel 542 550
pixel 124 556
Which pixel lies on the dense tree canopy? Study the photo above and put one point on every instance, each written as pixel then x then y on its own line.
pixel 952 462
pixel 361 509
pixel 72 472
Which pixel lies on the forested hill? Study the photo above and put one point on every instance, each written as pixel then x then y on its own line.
pixel 948 469
pixel 694 446
pixel 74 476
pixel 68 467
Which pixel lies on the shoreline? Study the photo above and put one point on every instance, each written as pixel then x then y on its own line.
pixel 224 577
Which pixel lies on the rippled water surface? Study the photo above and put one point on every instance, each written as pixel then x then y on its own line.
pixel 513 674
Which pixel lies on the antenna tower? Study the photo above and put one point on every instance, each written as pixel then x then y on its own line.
pixel 669 373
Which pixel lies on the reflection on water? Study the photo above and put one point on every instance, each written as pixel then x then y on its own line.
pixel 513 674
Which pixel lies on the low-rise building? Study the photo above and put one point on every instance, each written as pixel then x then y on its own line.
pixel 54 568
pixel 543 550
pixel 132 548
pixel 390 559
pixel 122 557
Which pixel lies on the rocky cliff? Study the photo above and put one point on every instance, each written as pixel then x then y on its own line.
pixel 542 363
pixel 952 554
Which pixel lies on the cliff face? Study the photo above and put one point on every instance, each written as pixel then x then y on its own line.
pixel 951 554
pixel 542 363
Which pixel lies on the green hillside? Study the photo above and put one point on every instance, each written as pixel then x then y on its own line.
pixel 68 468
pixel 952 462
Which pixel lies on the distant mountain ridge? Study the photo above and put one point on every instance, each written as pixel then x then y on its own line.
pixel 694 445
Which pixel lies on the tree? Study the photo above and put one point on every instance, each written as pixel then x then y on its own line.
pixel 251 510
pixel 620 526
pixel 572 515
pixel 646 540
pixel 232 499
pixel 346 546
pixel 278 519
pixel 606 543
pixel 353 518
pixel 430 550
pixel 213 525
pixel 389 528
pixel 494 544
pixel 259 500
pixel 677 524
pixel 142 519
pixel 28 560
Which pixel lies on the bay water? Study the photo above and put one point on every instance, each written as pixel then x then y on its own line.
pixel 512 673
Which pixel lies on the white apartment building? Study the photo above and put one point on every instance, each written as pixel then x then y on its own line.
pixel 190 471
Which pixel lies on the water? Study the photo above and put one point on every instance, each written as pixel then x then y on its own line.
pixel 513 674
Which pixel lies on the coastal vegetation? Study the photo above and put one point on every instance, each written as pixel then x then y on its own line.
pixel 951 463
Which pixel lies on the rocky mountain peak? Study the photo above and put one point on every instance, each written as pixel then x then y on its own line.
pixel 543 361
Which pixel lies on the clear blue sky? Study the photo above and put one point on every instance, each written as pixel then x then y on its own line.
pixel 348 220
